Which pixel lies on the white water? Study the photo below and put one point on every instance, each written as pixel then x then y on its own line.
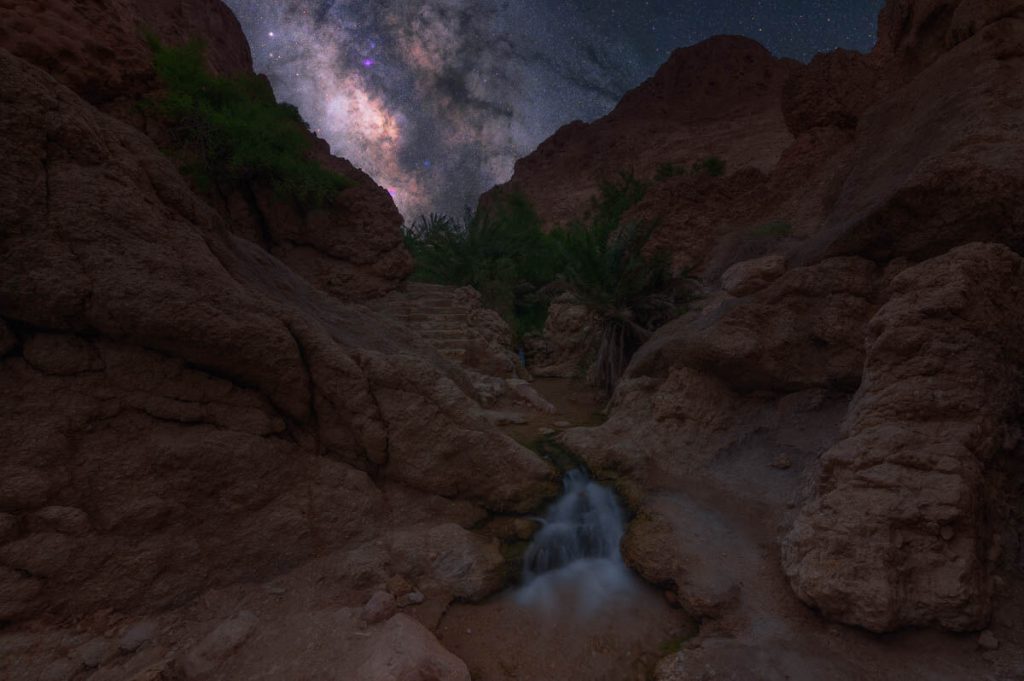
pixel 574 559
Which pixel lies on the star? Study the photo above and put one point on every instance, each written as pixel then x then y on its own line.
pixel 474 85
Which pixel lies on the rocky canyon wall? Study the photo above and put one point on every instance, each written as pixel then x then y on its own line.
pixel 845 401
pixel 189 408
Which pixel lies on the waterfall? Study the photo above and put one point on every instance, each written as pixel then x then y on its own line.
pixel 576 553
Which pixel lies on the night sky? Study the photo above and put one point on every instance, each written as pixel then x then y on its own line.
pixel 436 99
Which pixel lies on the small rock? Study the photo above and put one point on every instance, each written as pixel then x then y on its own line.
pixel 95 652
pixel 22 488
pixel 563 424
pixel 750 276
pixel 380 608
pixel 399 586
pixel 988 640
pixel 671 598
pixel 274 590
pixel 63 519
pixel 59 670
pixel 137 635
pixel 411 598
pixel 781 462
pixel 947 533
pixel 546 431
pixel 526 392
pixel 504 418
pixel 218 645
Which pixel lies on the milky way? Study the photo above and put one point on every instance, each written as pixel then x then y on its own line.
pixel 436 99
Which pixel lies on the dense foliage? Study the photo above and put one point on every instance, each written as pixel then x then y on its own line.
pixel 230 129
pixel 601 259
pixel 610 269
pixel 502 252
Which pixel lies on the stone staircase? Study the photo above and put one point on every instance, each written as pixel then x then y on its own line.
pixel 454 321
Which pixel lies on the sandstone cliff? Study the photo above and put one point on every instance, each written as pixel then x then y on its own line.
pixel 839 419
pixel 351 248
pixel 203 443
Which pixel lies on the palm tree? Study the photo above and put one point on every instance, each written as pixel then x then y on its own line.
pixel 630 292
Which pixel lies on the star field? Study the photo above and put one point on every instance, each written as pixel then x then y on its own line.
pixel 436 99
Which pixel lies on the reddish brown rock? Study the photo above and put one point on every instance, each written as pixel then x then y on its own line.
pixel 98 49
pixel 352 247
pixel 751 276
pixel 717 98
pixel 455 321
pixel 460 563
pixel 833 90
pixel 568 337
pixel 334 648
pixel 942 384
pixel 933 162
pixel 380 608
pixel 188 391
pixel 804 330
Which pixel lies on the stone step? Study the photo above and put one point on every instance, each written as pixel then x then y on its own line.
pixel 450 343
pixel 426 306
pixel 455 317
pixel 424 286
pixel 427 318
pixel 448 324
pixel 442 334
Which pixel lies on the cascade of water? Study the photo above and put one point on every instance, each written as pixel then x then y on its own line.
pixel 577 547
pixel 585 522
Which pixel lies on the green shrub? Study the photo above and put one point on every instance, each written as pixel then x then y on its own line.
pixel 502 252
pixel 712 166
pixel 601 260
pixel 231 129
pixel 632 292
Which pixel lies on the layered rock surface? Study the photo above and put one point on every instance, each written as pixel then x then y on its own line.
pixel 897 531
pixel 720 97
pixel 186 417
pixel 837 424
pixel 351 247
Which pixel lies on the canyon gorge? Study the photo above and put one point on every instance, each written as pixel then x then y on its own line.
pixel 238 442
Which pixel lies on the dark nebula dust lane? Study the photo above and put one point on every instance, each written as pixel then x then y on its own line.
pixel 436 99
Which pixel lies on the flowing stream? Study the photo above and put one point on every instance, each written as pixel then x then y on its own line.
pixel 575 554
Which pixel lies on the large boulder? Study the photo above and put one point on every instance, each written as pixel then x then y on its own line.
pixel 896 531
pixel 803 330
pixel 334 645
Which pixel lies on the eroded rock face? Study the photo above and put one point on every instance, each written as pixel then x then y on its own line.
pixel 895 534
pixel 98 49
pixel 719 97
pixel 352 247
pixel 803 330
pixel 750 276
pixel 870 345
pixel 568 338
pixel 184 411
